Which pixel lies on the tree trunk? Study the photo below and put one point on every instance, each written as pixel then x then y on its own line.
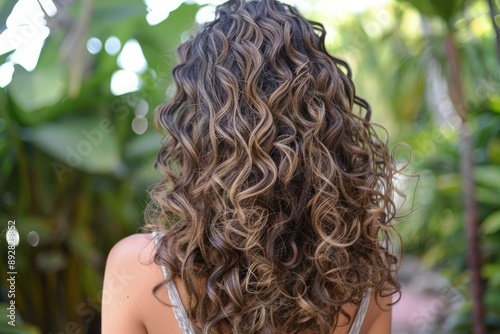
pixel 469 194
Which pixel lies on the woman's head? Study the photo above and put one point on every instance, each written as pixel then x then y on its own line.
pixel 276 187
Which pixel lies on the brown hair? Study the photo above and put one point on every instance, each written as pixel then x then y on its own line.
pixel 277 191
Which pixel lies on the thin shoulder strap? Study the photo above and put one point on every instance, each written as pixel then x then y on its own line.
pixel 360 316
pixel 175 299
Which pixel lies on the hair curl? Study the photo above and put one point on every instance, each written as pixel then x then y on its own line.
pixel 276 191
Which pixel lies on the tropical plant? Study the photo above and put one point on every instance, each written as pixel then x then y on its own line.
pixel 459 165
pixel 76 159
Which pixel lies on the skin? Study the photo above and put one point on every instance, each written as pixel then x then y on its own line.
pixel 128 305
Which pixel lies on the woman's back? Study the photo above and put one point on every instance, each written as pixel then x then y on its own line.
pixel 276 189
pixel 129 307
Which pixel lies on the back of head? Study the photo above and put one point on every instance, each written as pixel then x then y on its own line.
pixel 276 187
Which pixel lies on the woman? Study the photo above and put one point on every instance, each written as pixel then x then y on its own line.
pixel 276 197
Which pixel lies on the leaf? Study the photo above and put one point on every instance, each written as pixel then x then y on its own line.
pixel 86 144
pixel 147 145
pixel 444 9
pixel 492 298
pixel 45 86
pixel 491 272
pixel 494 101
pixel 487 196
pixel 448 183
pixel 488 176
pixel 491 224
pixel 494 151
pixel 111 13
pixel 423 6
pixel 408 89
pixel 433 255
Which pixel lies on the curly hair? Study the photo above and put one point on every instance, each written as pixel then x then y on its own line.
pixel 276 196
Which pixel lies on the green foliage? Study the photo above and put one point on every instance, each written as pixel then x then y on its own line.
pixel 73 170
pixel 436 230
pixel 443 9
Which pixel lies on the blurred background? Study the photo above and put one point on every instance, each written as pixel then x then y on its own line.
pixel 80 81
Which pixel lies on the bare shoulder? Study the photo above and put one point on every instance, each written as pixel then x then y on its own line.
pixel 131 251
pixel 129 265
pixel 130 277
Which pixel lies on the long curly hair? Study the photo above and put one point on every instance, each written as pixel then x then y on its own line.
pixel 276 196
